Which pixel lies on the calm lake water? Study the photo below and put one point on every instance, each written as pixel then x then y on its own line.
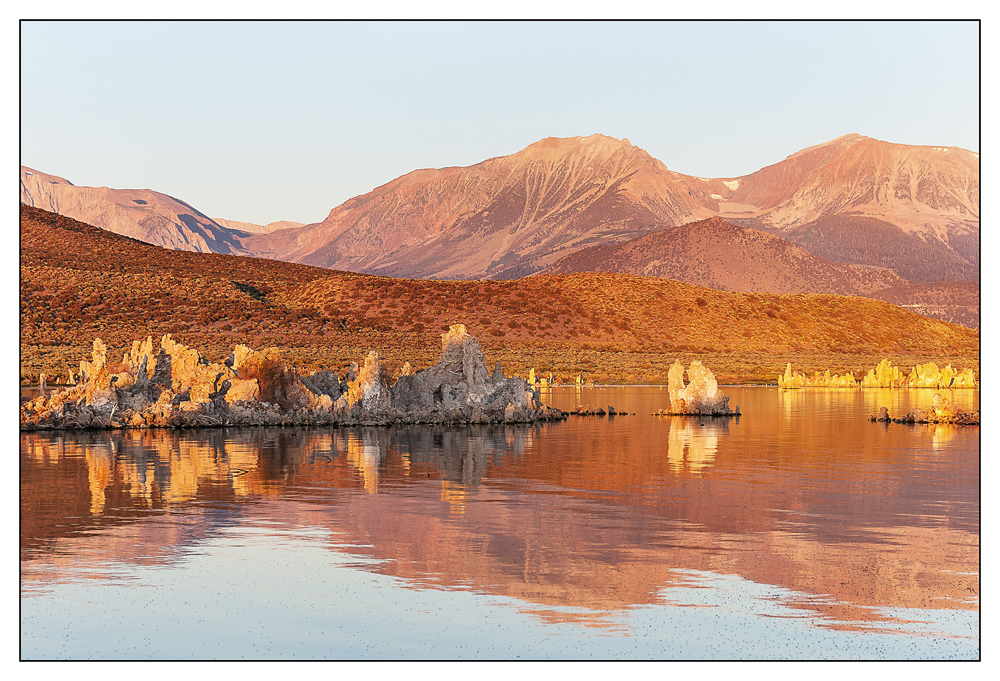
pixel 799 531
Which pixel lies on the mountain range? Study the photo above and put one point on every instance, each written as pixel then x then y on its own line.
pixel 854 200
pixel 854 216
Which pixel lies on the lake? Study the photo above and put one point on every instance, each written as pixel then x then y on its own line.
pixel 799 531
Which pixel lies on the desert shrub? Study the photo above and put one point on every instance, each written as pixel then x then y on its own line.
pixel 274 378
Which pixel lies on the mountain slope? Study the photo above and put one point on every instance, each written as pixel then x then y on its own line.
pixel 864 201
pixel 78 282
pixel 142 214
pixel 254 228
pixel 502 218
pixel 720 255
pixel 514 215
pixel 729 257
pixel 951 301
pixel 852 200
pixel 922 190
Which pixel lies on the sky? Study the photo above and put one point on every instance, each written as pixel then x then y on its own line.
pixel 259 121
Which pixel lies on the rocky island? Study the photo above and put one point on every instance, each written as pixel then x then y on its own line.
pixel 700 397
pixel 942 411
pixel 177 387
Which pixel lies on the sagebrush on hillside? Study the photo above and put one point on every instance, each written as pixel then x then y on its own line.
pixel 78 282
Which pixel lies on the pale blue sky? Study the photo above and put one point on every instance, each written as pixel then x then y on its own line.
pixel 264 121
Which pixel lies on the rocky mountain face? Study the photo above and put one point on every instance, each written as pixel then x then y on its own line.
pixel 503 218
pixel 922 190
pixel 142 214
pixel 727 257
pixel 860 200
pixel 852 200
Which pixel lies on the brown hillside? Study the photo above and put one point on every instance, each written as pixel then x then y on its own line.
pixel 720 255
pixel 78 282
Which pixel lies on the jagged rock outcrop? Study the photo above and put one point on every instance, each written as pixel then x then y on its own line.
pixel 826 380
pixel 885 375
pixel 792 380
pixel 701 396
pixel 179 388
pixel 368 394
pixel 588 410
pixel 459 388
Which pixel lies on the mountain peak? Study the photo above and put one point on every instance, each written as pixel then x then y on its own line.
pixel 553 148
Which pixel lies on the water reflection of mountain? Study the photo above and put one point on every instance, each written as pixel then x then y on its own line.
pixel 597 517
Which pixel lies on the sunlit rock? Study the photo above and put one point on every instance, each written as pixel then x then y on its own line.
pixel 700 396
pixel 675 381
pixel 791 380
pixel 370 390
pixel 239 389
pixel 842 381
pixel 139 354
pixel 923 376
pixel 884 376
pixel 99 358
pixel 965 379
pixel 941 411
pixel 927 375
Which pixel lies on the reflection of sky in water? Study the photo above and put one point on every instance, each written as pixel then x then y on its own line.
pixel 800 525
pixel 234 598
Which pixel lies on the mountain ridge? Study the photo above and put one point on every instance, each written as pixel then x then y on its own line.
pixel 515 215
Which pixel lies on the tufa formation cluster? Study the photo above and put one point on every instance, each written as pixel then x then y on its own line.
pixel 885 375
pixel 177 387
